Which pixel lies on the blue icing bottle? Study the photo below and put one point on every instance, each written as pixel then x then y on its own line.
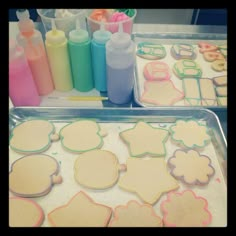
pixel 120 59
pixel 100 37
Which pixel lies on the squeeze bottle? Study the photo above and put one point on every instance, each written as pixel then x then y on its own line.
pixel 22 88
pixel 81 59
pixel 120 61
pixel 31 40
pixel 58 56
pixel 100 37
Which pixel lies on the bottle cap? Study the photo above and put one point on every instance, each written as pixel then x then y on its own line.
pixel 102 35
pixel 78 35
pixel 120 39
pixel 55 36
pixel 25 23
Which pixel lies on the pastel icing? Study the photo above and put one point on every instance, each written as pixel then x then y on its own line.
pixel 156 70
pixel 151 51
pixel 221 91
pixel 220 80
pixel 134 214
pixel 191 167
pixel 185 209
pixel 143 139
pixel 187 68
pixel 162 93
pixel 192 92
pixel 219 65
pixel 183 51
pixel 222 101
pixel 33 136
pixel 206 47
pixel 100 15
pixel 81 136
pixel 140 177
pixel 208 93
pixel 223 50
pixel 190 133
pixel 34 175
pixel 212 56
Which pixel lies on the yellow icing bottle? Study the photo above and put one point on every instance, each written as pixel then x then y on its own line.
pixel 58 56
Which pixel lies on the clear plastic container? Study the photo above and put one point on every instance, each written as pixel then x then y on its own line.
pixel 64 23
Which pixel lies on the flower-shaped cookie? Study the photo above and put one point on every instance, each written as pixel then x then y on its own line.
pixel 190 133
pixel 24 213
pixel 97 169
pixel 191 167
pixel 34 175
pixel 80 211
pixel 148 178
pixel 33 136
pixel 162 93
pixel 134 214
pixel 185 209
pixel 81 136
pixel 144 139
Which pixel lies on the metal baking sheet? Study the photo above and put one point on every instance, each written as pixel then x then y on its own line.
pixel 114 120
pixel 167 40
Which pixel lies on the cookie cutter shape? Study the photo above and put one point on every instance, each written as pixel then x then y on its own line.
pixel 149 179
pixel 207 47
pixel 219 65
pixel 222 101
pixel 190 133
pixel 223 50
pixel 191 167
pixel 97 169
pixel 208 93
pixel 187 69
pixel 220 80
pixel 134 214
pixel 183 51
pixel 212 56
pixel 143 139
pixel 80 211
pixel 34 175
pixel 185 209
pixel 33 136
pixel 81 136
pixel 151 51
pixel 162 93
pixel 24 213
pixel 156 70
pixel 221 91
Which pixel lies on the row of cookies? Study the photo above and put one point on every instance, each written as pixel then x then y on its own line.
pixel 180 209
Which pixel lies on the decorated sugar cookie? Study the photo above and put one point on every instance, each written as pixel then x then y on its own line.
pixel 221 91
pixel 156 70
pixel 162 93
pixel 149 179
pixel 33 136
pixel 187 69
pixel 24 213
pixel 183 51
pixel 191 167
pixel 207 47
pixel 219 65
pixel 222 101
pixel 34 175
pixel 97 169
pixel 208 93
pixel 223 50
pixel 81 136
pixel 212 56
pixel 143 139
pixel 80 211
pixel 151 51
pixel 190 133
pixel 185 209
pixel 220 80
pixel 134 214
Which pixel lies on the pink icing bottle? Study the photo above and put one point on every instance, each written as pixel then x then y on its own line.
pixel 22 88
pixel 31 40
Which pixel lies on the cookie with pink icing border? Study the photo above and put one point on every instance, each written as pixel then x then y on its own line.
pixel 207 47
pixel 80 211
pixel 134 214
pixel 212 56
pixel 191 167
pixel 34 175
pixel 156 70
pixel 24 213
pixel 162 93
pixel 185 209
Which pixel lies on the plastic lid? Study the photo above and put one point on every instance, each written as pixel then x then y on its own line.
pixel 102 35
pixel 120 39
pixel 55 36
pixel 25 23
pixel 78 35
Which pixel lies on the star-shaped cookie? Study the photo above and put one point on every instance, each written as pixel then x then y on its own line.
pixel 148 178
pixel 144 139
pixel 161 93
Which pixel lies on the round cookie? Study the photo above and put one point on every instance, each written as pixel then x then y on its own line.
pixel 151 51
pixel 212 56
pixel 207 47
pixel 155 71
pixel 183 51
pixel 219 65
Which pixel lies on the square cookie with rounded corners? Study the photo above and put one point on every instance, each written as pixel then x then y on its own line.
pixel 183 51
